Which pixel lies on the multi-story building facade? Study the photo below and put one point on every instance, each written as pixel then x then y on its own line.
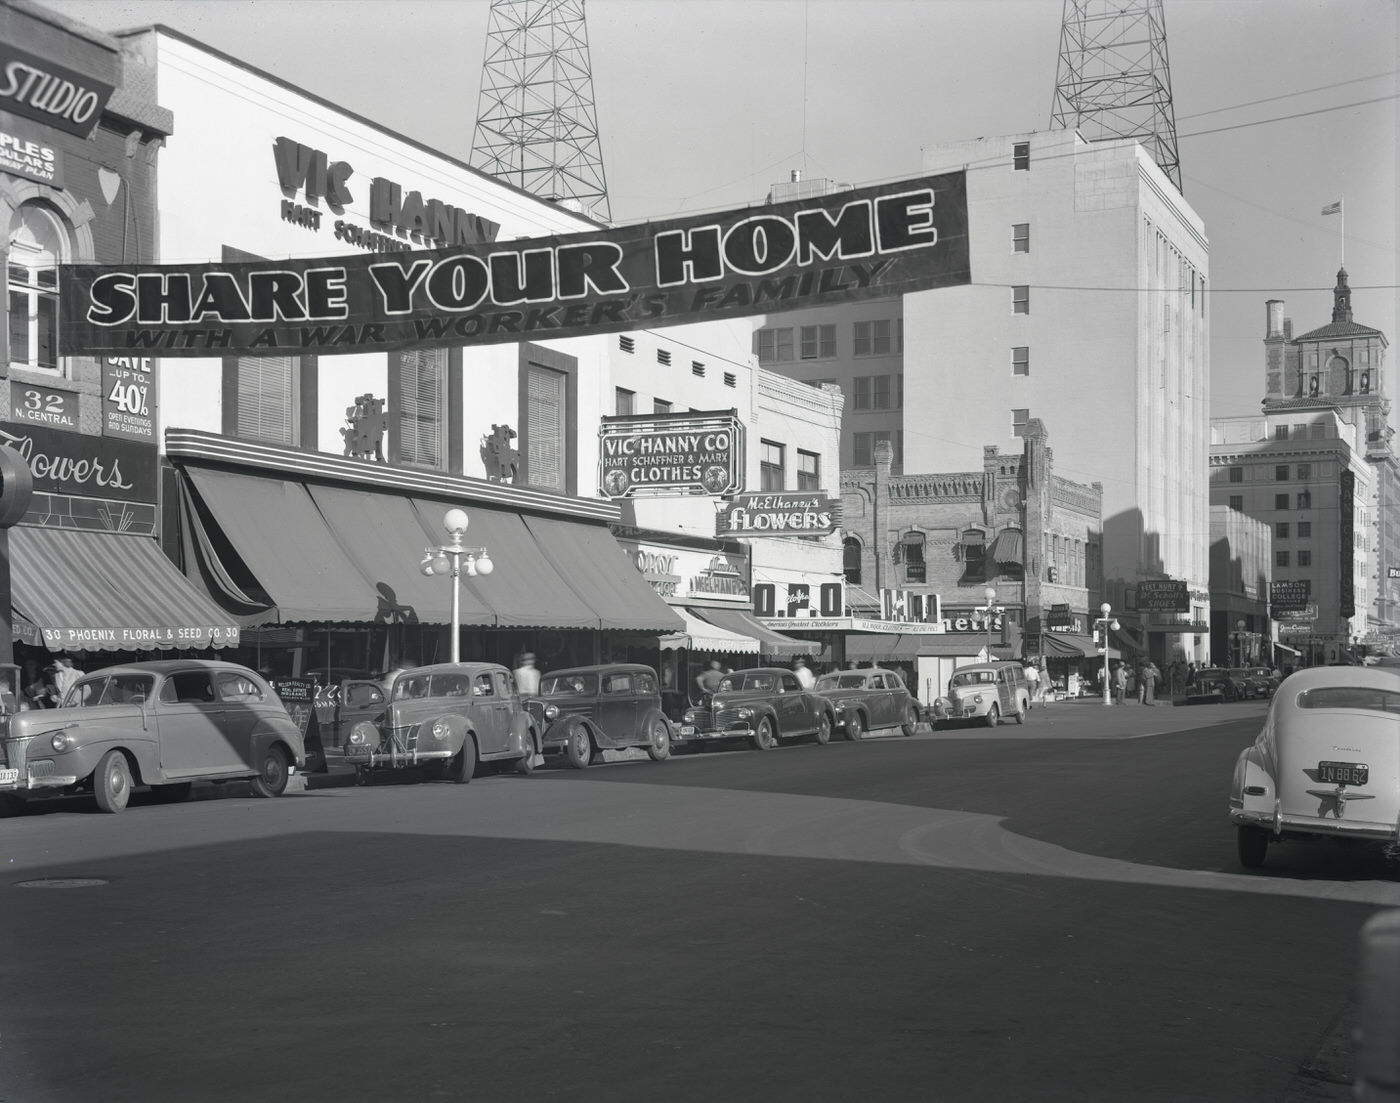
pixel 80 135
pixel 1087 311
pixel 1341 366
pixel 1241 567
pixel 1304 474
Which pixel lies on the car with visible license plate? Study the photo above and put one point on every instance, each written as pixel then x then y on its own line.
pixel 449 718
pixel 1327 762
pixel 763 705
pixel 869 699
pixel 984 693
pixel 586 710
pixel 163 724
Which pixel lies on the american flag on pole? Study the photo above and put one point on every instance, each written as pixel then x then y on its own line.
pixel 1333 208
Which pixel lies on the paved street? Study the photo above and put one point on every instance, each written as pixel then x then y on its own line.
pixel 1050 911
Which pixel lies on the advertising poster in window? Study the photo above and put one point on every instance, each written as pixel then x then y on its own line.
pixel 848 246
pixel 129 397
pixel 649 455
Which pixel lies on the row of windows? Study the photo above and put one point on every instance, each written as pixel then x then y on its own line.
pixel 1281 501
pixel 1304 558
pixel 1282 529
pixel 863 446
pixel 1301 431
pixel 1281 473
pixel 663 355
pixel 625 401
pixel 877 392
pixel 878 337
pixel 772 468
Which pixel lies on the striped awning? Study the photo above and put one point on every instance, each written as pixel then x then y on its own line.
pixel 701 635
pixel 106 591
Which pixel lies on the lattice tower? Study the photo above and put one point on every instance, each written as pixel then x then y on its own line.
pixel 536 124
pixel 1114 80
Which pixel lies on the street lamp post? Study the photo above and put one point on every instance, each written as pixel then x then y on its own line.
pixel 1106 622
pixel 1239 642
pixel 987 611
pixel 452 558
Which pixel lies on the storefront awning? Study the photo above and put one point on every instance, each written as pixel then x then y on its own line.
pixel 1071 645
pixel 769 642
pixel 1281 646
pixel 1007 547
pixel 100 591
pixel 701 635
pixel 304 552
pixel 908 646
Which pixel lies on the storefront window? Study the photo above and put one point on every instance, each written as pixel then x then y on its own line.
pixel 37 245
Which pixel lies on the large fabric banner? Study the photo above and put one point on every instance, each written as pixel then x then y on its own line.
pixel 854 244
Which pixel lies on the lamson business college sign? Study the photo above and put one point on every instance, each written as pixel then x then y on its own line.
pixel 858 244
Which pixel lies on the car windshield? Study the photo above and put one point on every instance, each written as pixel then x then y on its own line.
pixel 1240 672
pixel 841 681
pixel 569 685
pixel 1365 698
pixel 973 678
pixel 116 689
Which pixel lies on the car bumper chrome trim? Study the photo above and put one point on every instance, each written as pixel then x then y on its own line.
pixel 396 758
pixel 1299 825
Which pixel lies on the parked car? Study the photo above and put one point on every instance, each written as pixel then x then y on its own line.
pixel 1244 684
pixel 589 709
pixel 867 699
pixel 449 717
pixel 1266 679
pixel 1207 685
pixel 986 692
pixel 336 707
pixel 163 724
pixel 763 705
pixel 1327 762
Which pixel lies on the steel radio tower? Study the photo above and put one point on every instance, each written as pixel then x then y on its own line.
pixel 1113 79
pixel 536 125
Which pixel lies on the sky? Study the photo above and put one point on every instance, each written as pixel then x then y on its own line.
pixel 1282 107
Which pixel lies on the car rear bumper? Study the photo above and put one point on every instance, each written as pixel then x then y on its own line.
pixel 1309 825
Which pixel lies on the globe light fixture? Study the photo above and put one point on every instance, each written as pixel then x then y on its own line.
pixel 454 558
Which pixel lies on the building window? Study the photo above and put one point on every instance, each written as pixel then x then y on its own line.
pixel 1281 473
pixel 1319 431
pixel 818 342
pixel 624 401
pixel 773 345
pixel 1280 432
pixel 809 470
pixel 1280 501
pixel 1280 559
pixel 850 560
pixel 1021 156
pixel 1021 360
pixel 770 466
pixel 422 399
pixel 1021 299
pixel 871 392
pixel 871 338
pixel 663 356
pixel 912 546
pixel 1305 500
pixel 660 406
pixel 267 400
pixel 863 448
pixel 1281 530
pixel 1018 422
pixel 545 412
pixel 974 554
pixel 1304 472
pixel 1304 530
pixel 1237 502
pixel 1020 237
pixel 1304 558
pixel 1237 474
pixel 38 245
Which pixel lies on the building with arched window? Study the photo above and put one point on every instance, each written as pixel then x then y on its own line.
pixel 80 132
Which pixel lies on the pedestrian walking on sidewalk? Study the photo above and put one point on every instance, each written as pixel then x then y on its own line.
pixel 1150 674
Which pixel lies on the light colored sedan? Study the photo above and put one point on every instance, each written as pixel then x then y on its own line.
pixel 1326 763
pixel 164 724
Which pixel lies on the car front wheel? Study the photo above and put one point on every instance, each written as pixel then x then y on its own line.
pixel 271 780
pixel 111 782
pixel 763 737
pixel 463 765
pixel 659 749
pixel 854 727
pixel 579 748
pixel 823 732
pixel 526 765
pixel 911 721
pixel 1253 845
pixel 993 716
